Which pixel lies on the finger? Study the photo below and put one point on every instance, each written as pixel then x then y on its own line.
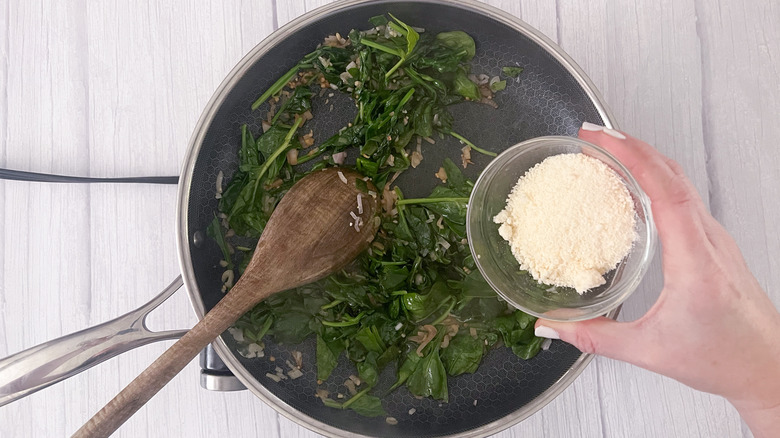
pixel 661 177
pixel 602 336
pixel 676 206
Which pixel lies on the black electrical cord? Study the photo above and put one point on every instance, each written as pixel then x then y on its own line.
pixel 20 175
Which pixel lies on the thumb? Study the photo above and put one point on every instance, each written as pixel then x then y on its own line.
pixel 602 336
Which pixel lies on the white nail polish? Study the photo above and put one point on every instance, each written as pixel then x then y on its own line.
pixel 614 133
pixel 587 126
pixel 546 332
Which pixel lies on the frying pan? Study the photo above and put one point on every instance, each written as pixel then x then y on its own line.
pixel 551 97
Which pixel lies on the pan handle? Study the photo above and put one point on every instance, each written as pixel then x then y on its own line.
pixel 33 369
pixel 21 175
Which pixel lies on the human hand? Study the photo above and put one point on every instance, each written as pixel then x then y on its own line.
pixel 709 300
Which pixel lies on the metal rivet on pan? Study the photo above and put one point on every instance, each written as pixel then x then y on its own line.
pixel 198 238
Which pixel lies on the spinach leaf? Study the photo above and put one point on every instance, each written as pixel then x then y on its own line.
pixel 248 152
pixel 327 357
pixel 459 42
pixel 498 86
pixel 231 193
pixel 332 403
pixel 362 403
pixel 298 103
pixel 277 86
pixel 407 368
pixel 465 87
pixel 255 324
pixel 368 406
pixel 480 309
pixel 351 136
pixel 248 217
pixel 462 355
pixel 214 230
pixel 517 331
pixel 268 145
pixel 379 20
pixel 382 326
pixel 356 352
pixel 529 349
pixel 370 338
pixel 411 35
pixel 512 71
pixel 392 277
pixel 312 301
pixel 366 166
pixel 455 179
pixel 388 356
pixel 330 61
pixel 368 370
pixel 478 300
pixel 417 219
pixel 420 306
pixel 395 308
pixel 429 378
pixel 474 285
pixel 524 320
pixel 356 292
pixel 453 212
pixel 291 327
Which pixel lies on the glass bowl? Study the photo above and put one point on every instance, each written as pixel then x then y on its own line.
pixel 502 271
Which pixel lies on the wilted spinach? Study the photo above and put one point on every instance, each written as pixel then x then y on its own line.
pixel 463 355
pixel 512 71
pixel 418 277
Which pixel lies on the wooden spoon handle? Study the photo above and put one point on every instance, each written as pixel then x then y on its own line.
pixel 162 370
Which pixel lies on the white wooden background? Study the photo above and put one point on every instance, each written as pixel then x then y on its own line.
pixel 106 88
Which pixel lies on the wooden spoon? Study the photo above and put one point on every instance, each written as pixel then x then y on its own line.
pixel 310 234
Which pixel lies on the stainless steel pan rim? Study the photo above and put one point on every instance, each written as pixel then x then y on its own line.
pixel 196 141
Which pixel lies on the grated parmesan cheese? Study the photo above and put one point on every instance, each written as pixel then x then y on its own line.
pixel 569 220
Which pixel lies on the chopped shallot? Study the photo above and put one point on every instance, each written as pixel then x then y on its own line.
pixel 292 156
pixel 273 377
pixel 442 175
pixel 416 157
pixel 350 386
pixel 424 336
pixel 465 156
pixel 298 357
pixel 339 157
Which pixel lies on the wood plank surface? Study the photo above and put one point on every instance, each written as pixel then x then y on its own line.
pixel 115 89
pixel 646 60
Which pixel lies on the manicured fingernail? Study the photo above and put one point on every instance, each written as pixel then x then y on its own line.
pixel 546 332
pixel 587 126
pixel 614 133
